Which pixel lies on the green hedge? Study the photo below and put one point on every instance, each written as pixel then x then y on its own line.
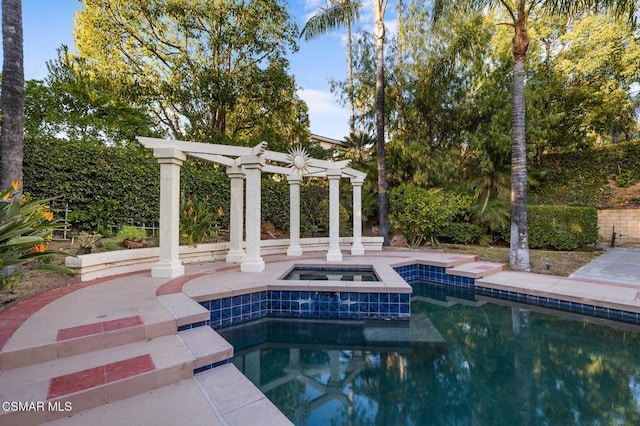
pixel 120 185
pixel 562 227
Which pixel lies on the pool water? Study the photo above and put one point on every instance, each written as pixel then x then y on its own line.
pixel 485 365
pixel 303 273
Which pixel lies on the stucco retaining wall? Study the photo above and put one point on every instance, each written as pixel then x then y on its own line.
pixel 626 222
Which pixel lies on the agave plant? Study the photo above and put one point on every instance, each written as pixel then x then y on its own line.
pixel 26 226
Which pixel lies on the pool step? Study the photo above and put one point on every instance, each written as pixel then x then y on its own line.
pixel 184 313
pixel 207 347
pixel 222 396
pixel 185 310
pixel 100 377
pixel 86 338
pixel 477 269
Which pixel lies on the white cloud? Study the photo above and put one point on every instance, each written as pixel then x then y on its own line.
pixel 327 117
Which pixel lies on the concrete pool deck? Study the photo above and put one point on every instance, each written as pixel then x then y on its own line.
pixel 109 351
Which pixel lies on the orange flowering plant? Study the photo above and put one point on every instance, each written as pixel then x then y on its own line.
pixel 26 226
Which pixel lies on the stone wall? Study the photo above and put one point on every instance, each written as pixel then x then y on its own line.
pixel 626 222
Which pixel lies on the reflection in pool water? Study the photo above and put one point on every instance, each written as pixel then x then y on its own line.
pixel 484 365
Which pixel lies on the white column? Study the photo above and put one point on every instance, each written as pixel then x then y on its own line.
pixel 294 214
pixel 357 248
pixel 334 254
pixel 252 167
pixel 236 253
pixel 169 265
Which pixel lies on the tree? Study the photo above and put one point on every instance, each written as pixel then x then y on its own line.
pixel 601 63
pixel 336 14
pixel 12 133
pixel 518 12
pixel 206 70
pixel 72 104
pixel 379 8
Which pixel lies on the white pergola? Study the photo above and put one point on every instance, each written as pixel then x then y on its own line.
pixel 247 164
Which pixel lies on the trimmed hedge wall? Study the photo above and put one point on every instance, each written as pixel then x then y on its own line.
pixel 120 185
pixel 562 227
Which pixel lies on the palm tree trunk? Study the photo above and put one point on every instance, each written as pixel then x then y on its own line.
pixel 12 134
pixel 383 197
pixel 399 66
pixel 519 244
pixel 352 111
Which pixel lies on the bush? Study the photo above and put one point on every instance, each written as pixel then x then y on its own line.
pixel 131 233
pixel 461 232
pixel 423 214
pixel 562 227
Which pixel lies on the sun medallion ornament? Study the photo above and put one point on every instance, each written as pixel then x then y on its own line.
pixel 298 159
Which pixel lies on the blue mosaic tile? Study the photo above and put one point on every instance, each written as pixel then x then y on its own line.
pixel 210 366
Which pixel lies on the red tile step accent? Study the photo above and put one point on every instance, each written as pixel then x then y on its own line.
pixel 98 328
pixel 13 317
pixel 96 376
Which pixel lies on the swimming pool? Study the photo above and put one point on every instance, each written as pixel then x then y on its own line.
pixel 486 364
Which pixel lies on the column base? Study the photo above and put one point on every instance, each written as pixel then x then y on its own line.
pixel 234 256
pixel 294 251
pixel 334 256
pixel 167 270
pixel 255 265
pixel 357 250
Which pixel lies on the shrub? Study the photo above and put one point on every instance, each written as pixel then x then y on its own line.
pixel 461 232
pixel 562 227
pixel 423 214
pixel 131 233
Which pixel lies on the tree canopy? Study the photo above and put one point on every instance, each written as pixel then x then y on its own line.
pixel 206 70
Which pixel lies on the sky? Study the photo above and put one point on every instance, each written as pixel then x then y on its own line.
pixel 48 24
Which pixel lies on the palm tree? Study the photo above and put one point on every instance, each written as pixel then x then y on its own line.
pixel 519 12
pixel 336 14
pixel 379 7
pixel 12 133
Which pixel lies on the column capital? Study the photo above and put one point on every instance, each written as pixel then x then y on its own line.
pixel 235 172
pixel 169 156
pixel 334 174
pixel 356 180
pixel 294 178
pixel 251 162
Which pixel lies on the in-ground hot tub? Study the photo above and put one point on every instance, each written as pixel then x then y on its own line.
pixel 329 273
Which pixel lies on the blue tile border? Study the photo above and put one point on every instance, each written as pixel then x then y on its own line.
pixel 563 305
pixel 210 366
pixel 193 325
pixel 307 304
pixel 354 305
pixel 442 285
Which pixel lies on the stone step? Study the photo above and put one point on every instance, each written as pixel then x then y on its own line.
pixel 187 312
pixel 237 400
pixel 222 396
pixel 477 269
pixel 85 338
pixel 179 312
pixel 77 383
pixel 207 348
